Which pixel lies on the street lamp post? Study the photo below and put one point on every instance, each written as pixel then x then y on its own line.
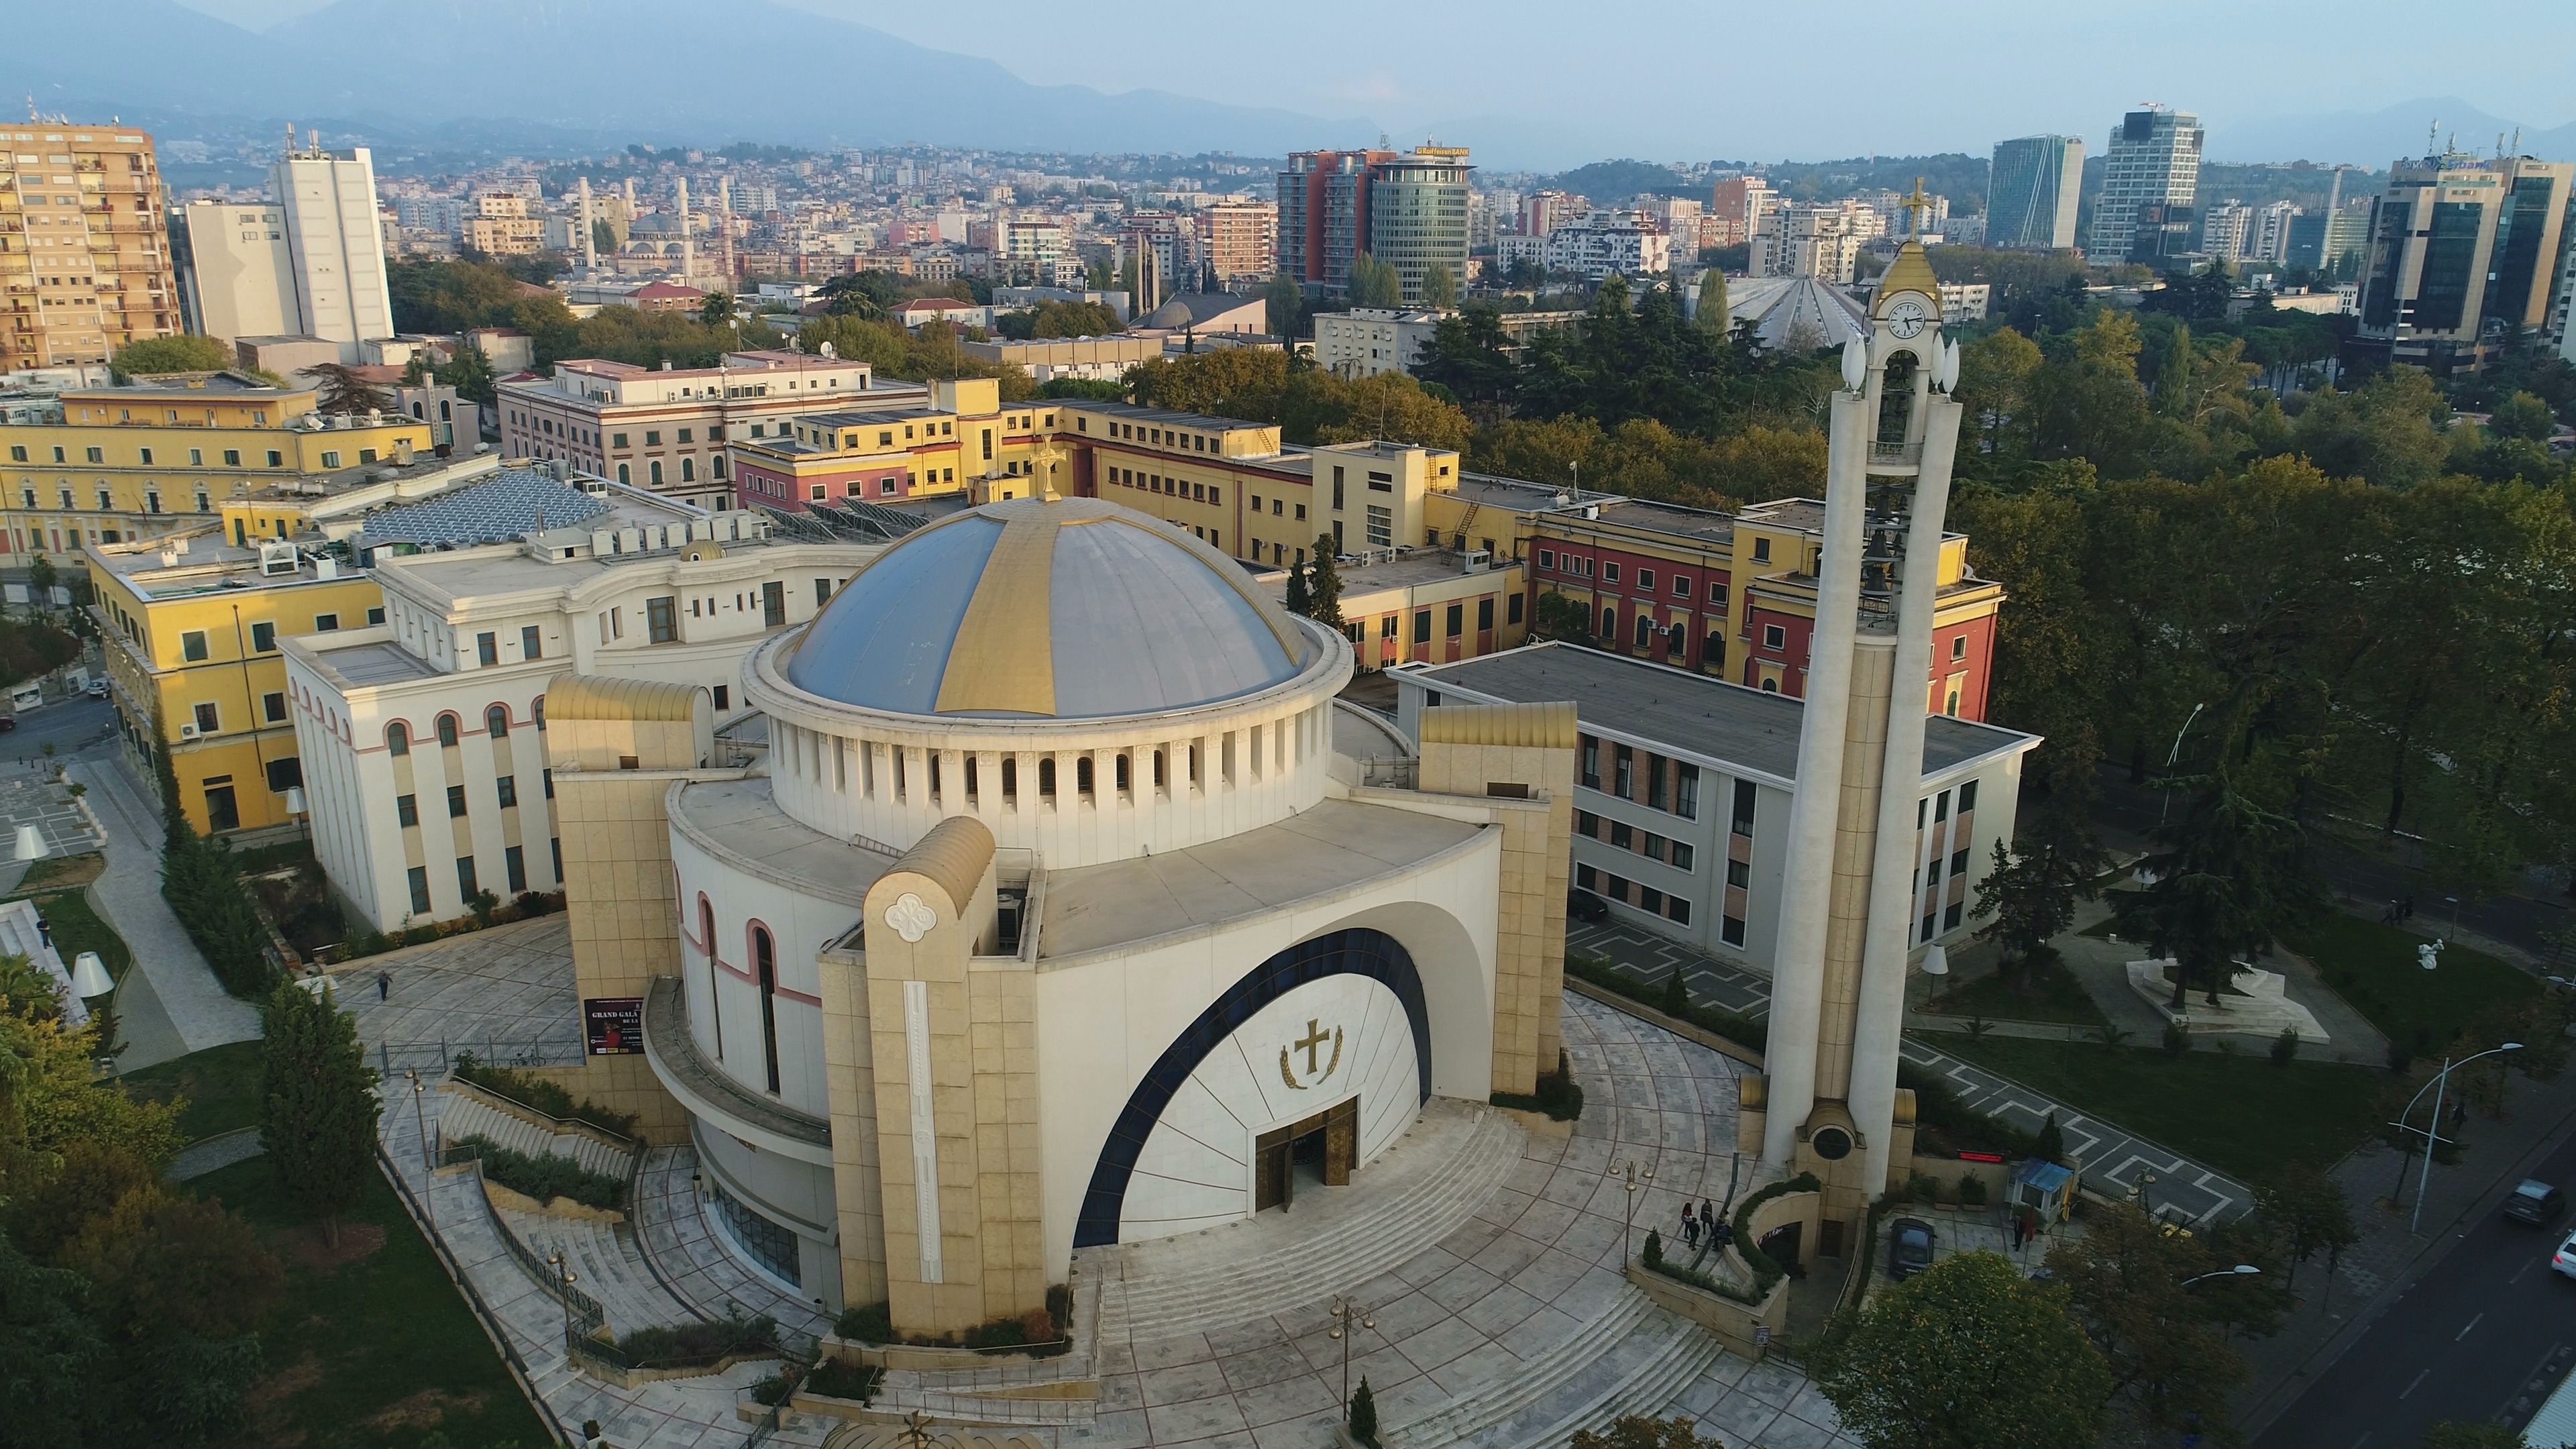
pixel 1636 1180
pixel 2173 756
pixel 1348 1319
pixel 428 1165
pixel 2241 1270
pixel 2440 1088
pixel 564 1276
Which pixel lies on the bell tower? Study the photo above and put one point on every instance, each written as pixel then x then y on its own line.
pixel 1829 1103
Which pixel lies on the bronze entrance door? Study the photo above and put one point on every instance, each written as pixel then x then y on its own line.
pixel 1330 1140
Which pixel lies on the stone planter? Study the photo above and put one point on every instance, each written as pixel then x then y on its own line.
pixel 1734 1323
pixel 562 1207
pixel 921 1360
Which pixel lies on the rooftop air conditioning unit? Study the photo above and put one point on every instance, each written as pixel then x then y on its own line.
pixel 187 732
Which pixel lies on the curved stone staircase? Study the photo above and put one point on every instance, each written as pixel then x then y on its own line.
pixel 1631 1358
pixel 464 1114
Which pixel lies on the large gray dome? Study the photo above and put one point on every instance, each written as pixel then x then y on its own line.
pixel 1069 609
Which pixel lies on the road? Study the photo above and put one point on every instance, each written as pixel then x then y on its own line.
pixel 67 725
pixel 2482 1336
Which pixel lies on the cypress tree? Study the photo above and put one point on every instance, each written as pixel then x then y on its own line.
pixel 1364 1414
pixel 317 1104
pixel 2052 1141
pixel 1324 583
pixel 1715 317
pixel 1301 600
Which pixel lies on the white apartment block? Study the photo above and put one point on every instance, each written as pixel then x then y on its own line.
pixel 1821 241
pixel 309 262
pixel 1367 341
pixel 422 738
pixel 1611 244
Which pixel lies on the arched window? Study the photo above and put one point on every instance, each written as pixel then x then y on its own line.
pixel 715 988
pixel 447 729
pixel 656 466
pixel 398 739
pixel 1082 775
pixel 1609 623
pixel 496 721
pixel 1010 778
pixel 621 474
pixel 537 707
pixel 1896 401
pixel 1046 775
pixel 688 470
pixel 1770 686
pixel 764 960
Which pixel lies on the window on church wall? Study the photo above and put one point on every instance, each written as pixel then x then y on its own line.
pixel 1046 777
pixel 1010 780
pixel 715 995
pixel 1082 776
pixel 1896 400
pixel 764 958
pixel 1125 781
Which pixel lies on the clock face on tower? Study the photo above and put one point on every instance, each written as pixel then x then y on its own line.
pixel 1907 317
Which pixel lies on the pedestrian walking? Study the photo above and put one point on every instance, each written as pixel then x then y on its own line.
pixel 1690 1228
pixel 384 985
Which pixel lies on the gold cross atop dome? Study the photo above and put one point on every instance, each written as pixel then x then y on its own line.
pixel 1915 205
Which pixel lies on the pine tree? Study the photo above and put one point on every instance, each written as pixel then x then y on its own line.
pixel 1301 600
pixel 317 1103
pixel 1324 583
pixel 1364 1414
pixel 1715 316
pixel 2052 1141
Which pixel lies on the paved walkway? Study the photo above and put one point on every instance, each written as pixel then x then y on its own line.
pixel 2116 1161
pixel 505 994
pixel 171 1002
pixel 211 1154
pixel 35 798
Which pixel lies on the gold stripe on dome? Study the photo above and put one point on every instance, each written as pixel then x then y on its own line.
pixel 1003 661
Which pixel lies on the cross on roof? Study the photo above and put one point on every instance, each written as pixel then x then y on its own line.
pixel 1915 205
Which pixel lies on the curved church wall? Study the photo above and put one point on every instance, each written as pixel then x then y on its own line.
pixel 800 926
pixel 1105 1020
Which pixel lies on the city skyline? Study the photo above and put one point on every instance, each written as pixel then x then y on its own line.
pixel 1678 101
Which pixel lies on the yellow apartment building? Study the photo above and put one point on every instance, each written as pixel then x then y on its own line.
pixel 84 248
pixel 191 625
pixel 128 463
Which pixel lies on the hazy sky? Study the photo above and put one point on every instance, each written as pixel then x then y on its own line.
pixel 1678 80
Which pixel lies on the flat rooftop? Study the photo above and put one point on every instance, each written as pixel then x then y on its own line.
pixel 1421 566
pixel 1708 717
pixel 1165 417
pixel 1523 495
pixel 1670 518
pixel 378 661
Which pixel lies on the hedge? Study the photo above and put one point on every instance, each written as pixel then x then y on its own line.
pixel 1744 1031
pixel 1558 1094
pixel 539 1095
pixel 695 1343
pixel 543 1178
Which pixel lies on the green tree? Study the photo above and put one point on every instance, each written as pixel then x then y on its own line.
pixel 1301 599
pixel 470 373
pixel 159 1264
pixel 2233 871
pixel 1439 286
pixel 1363 1419
pixel 53 1364
pixel 90 1180
pixel 1374 283
pixel 1324 583
pixel 2050 1145
pixel 156 355
pixel 2522 416
pixel 1965 1355
pixel 2030 897
pixel 1715 315
pixel 1286 303
pixel 1561 616
pixel 2167 1344
pixel 718 309
pixel 2310 1213
pixel 603 237
pixel 317 1109
pixel 1633 1431
pixel 344 390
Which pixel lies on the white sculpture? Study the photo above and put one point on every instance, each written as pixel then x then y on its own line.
pixel 2429 955
pixel 1855 364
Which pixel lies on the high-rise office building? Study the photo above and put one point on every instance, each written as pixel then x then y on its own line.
pixel 2150 185
pixel 84 254
pixel 308 262
pixel 1407 209
pixel 1240 238
pixel 2033 188
pixel 2463 251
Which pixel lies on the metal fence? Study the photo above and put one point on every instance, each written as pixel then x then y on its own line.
pixel 558 1048
pixel 586 1314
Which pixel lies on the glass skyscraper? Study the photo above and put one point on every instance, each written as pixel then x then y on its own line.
pixel 2032 190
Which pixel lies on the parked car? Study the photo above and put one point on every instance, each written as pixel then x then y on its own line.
pixel 1583 905
pixel 2535 1202
pixel 8 721
pixel 97 689
pixel 1909 1248
pixel 2564 1260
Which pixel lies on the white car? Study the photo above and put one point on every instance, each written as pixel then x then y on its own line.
pixel 2564 1260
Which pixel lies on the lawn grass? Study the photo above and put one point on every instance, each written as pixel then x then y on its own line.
pixel 2055 995
pixel 60 872
pixel 379 1351
pixel 77 928
pixel 2374 967
pixel 2237 1113
pixel 221 1084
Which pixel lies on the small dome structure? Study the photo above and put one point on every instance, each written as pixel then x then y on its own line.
pixel 1048 608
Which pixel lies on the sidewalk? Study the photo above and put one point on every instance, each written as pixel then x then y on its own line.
pixel 171 1002
pixel 2389 1257
pixel 2115 1160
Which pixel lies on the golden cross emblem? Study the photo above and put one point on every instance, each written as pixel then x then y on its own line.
pixel 1315 1037
pixel 1313 1042
pixel 1915 205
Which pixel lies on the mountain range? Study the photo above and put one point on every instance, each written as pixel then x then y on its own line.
pixel 655 71
pixel 558 76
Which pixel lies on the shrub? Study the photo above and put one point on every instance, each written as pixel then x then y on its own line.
pixel 871 1323
pixel 2285 1047
pixel 774 1389
pixel 542 1178
pixel 1654 1254
pixel 539 1095
pixel 2400 1056
pixel 1676 995
pixel 2177 1038
pixel 1766 1270
pixel 1558 1095
pixel 1972 1190
pixel 834 1379
pixel 1923 1187
pixel 689 1343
